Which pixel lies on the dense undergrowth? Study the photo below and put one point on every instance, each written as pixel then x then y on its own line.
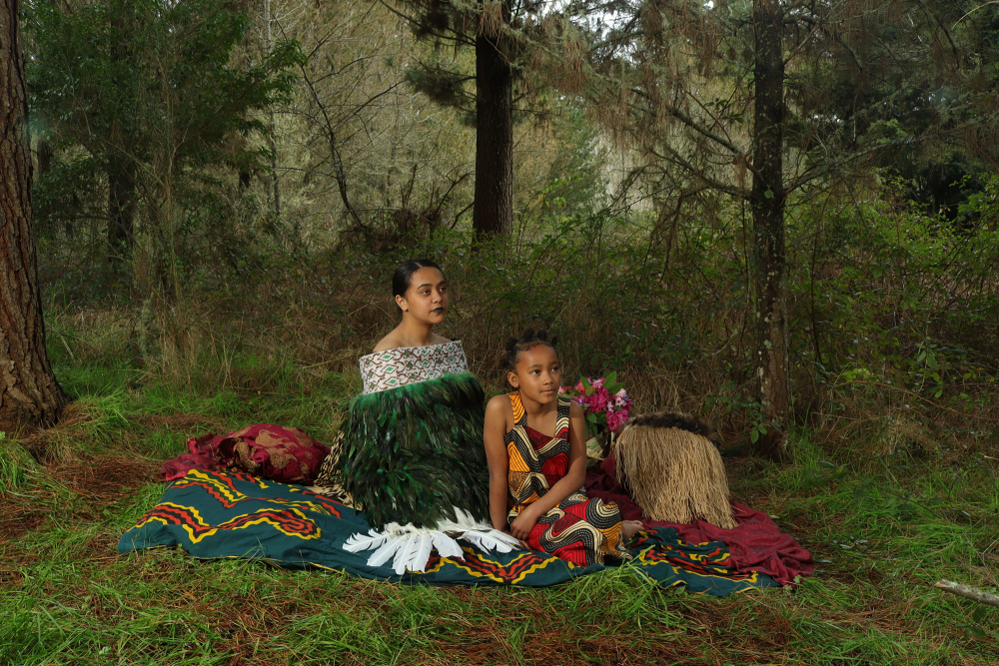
pixel 892 482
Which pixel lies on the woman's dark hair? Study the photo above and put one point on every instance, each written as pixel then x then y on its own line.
pixel 403 274
pixel 528 340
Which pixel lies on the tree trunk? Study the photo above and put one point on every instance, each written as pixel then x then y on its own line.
pixel 493 212
pixel 767 202
pixel 121 211
pixel 121 170
pixel 29 392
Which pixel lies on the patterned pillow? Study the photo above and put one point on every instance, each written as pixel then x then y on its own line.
pixel 279 453
pixel 328 481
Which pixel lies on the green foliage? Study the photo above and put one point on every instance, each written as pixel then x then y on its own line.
pixel 892 299
pixel 158 98
pixel 15 464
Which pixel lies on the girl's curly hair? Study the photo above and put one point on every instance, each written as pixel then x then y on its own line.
pixel 529 340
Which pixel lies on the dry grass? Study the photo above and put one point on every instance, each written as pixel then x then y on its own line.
pixel 675 475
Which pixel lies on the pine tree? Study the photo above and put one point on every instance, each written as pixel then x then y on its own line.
pixel 29 393
pixel 147 92
pixel 491 31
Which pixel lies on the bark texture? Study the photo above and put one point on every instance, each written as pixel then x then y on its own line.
pixel 767 202
pixel 493 211
pixel 29 393
pixel 968 592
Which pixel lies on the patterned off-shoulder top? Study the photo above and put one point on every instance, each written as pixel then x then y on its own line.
pixel 392 368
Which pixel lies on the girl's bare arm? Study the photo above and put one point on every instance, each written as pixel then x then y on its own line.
pixel 493 436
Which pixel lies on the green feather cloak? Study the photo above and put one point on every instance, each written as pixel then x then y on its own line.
pixel 411 454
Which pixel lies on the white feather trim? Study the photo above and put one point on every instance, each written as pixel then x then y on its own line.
pixel 386 552
pixel 491 540
pixel 409 547
pixel 447 547
pixel 367 541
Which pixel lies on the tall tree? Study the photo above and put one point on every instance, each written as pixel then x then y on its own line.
pixel 767 203
pixel 29 392
pixel 494 31
pixel 493 211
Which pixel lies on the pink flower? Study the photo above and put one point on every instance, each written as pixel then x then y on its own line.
pixel 611 411
pixel 616 419
pixel 598 401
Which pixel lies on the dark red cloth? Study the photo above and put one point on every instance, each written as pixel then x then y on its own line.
pixel 757 544
pixel 269 451
pixel 203 455
pixel 274 452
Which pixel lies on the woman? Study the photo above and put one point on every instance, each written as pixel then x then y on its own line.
pixel 413 457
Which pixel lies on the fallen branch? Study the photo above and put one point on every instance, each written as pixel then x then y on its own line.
pixel 968 592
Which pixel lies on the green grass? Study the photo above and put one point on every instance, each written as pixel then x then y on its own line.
pixel 66 597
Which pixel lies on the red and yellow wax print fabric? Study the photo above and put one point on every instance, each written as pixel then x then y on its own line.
pixel 578 529
pixel 213 514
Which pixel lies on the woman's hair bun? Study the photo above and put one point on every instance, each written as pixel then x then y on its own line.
pixel 511 344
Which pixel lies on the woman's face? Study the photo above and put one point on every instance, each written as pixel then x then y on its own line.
pixel 426 298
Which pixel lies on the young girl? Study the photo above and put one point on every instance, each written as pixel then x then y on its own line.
pixel 543 474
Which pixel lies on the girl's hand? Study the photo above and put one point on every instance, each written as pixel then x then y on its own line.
pixel 523 544
pixel 523 524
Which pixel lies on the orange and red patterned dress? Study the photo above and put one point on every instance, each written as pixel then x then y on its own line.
pixel 578 529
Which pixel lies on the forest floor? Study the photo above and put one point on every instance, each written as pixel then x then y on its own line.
pixel 68 597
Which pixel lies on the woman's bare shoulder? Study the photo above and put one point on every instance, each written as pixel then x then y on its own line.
pixel 395 339
pixel 388 342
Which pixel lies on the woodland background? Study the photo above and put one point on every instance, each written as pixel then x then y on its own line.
pixel 683 192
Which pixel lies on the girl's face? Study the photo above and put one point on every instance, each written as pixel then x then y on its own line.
pixel 538 375
pixel 426 298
